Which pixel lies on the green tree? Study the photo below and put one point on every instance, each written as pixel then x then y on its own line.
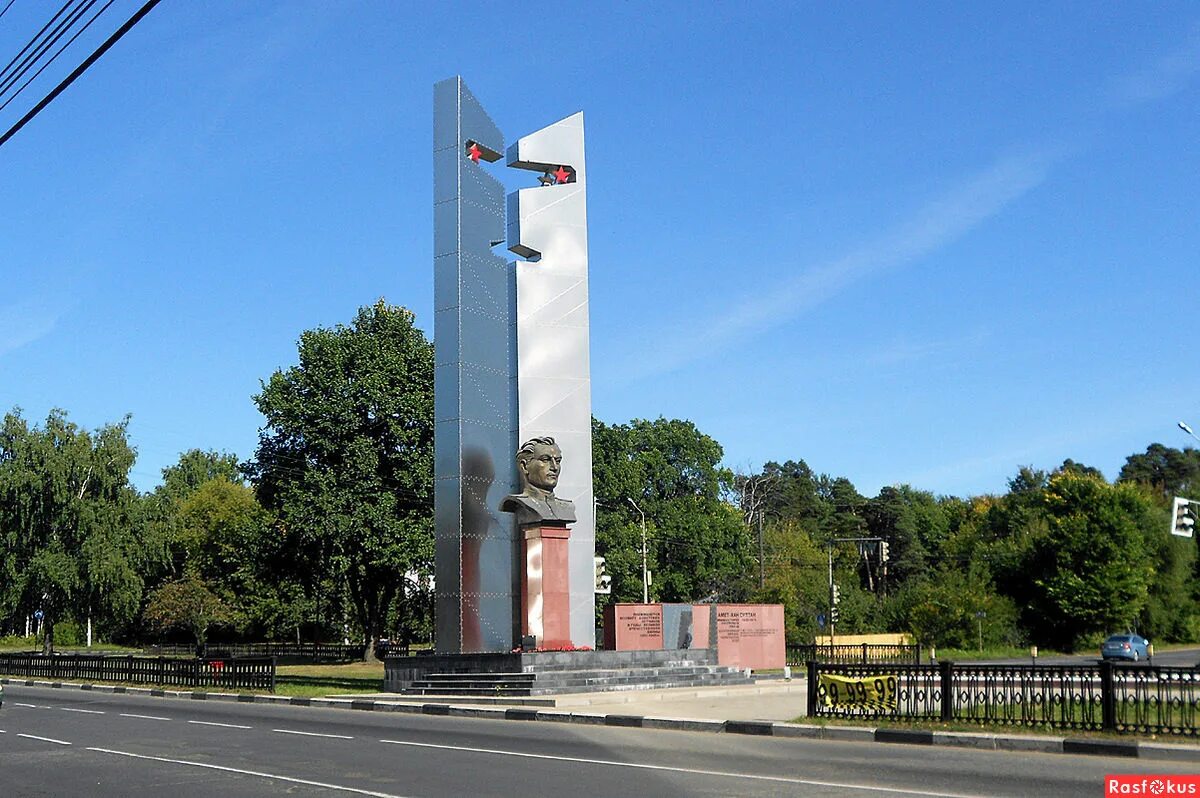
pixel 67 519
pixel 954 607
pixel 236 547
pixel 195 468
pixel 160 510
pixel 1169 471
pixel 792 492
pixel 915 526
pixel 1080 468
pixel 698 542
pixel 187 604
pixel 1171 613
pixel 345 459
pixel 1088 572
pixel 795 577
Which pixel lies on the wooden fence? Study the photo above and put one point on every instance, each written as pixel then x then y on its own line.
pixel 230 673
pixel 849 653
pixel 295 652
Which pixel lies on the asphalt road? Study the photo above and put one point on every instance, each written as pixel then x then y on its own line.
pixel 65 742
pixel 1175 658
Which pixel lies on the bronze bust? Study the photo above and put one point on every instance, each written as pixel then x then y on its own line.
pixel 539 462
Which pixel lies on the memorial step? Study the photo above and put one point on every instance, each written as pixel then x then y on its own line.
pixel 582 681
pixel 628 688
pixel 473 684
pixel 506 677
pixel 544 666
pixel 503 692
pixel 570 679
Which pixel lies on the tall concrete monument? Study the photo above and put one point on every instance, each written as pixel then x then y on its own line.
pixel 512 364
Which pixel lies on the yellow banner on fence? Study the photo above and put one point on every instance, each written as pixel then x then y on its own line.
pixel 871 692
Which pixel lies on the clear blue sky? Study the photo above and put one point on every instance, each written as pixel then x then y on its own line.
pixel 921 243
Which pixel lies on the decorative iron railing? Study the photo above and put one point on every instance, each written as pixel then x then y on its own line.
pixel 1104 697
pixel 1057 697
pixel 1156 700
pixel 231 673
pixel 848 653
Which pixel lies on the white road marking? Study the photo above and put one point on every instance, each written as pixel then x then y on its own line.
pixel 261 775
pixel 222 725
pixel 694 771
pixel 143 717
pixel 19 704
pixel 314 734
pixel 85 711
pixel 44 739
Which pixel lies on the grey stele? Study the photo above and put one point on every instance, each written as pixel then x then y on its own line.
pixel 511 363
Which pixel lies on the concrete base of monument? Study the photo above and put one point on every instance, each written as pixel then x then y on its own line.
pixel 556 672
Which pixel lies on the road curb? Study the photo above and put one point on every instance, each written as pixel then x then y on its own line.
pixel 981 740
pixel 1140 749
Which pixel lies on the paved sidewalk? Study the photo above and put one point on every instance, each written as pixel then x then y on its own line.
pixel 773 700
pixel 766 700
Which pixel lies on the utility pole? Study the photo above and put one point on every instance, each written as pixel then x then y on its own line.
pixel 645 573
pixel 832 599
pixel 761 560
pixel 833 590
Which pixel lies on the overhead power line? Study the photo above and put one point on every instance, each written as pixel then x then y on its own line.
pixel 33 42
pixel 79 70
pixel 54 57
pixel 34 57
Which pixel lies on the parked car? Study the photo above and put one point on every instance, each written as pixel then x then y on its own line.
pixel 1126 646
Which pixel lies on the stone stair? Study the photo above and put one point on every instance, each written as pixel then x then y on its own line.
pixel 553 679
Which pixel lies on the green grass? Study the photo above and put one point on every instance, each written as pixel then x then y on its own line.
pixel 320 680
pixel 990 653
pixel 20 645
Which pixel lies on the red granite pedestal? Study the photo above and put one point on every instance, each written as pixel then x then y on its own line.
pixel 545 587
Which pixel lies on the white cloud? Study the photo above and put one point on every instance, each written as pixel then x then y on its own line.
pixel 1169 74
pixel 937 224
pixel 24 323
pixel 903 350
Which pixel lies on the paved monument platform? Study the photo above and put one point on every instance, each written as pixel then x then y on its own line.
pixel 545 673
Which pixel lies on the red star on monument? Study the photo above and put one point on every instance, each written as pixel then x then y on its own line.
pixel 475 152
pixel 562 174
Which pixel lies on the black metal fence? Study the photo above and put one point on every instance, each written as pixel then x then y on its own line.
pixel 233 672
pixel 296 652
pixel 848 653
pixel 1104 697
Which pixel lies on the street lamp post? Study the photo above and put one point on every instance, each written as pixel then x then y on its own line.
pixel 645 573
pixel 1188 430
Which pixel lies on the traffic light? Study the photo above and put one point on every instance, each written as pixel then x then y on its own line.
pixel 834 615
pixel 1183 517
pixel 836 597
pixel 603 580
pixel 883 551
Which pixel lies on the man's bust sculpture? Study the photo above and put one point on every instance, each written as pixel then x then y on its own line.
pixel 539 462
